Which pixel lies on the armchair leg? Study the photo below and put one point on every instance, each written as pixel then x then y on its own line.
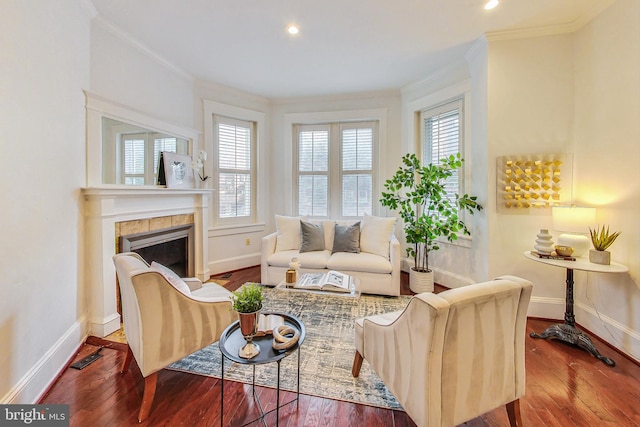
pixel 513 411
pixel 150 383
pixel 127 360
pixel 357 364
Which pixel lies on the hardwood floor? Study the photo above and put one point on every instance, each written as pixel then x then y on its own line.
pixel 565 387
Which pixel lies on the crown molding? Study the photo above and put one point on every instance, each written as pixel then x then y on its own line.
pixel 131 41
pixel 551 30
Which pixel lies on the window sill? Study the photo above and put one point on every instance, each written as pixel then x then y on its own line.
pixel 230 230
pixel 463 241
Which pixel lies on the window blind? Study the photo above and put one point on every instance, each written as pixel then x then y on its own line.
pixel 357 169
pixel 234 168
pixel 313 171
pixel 442 135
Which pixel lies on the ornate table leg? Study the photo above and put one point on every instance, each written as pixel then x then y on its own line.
pixel 568 332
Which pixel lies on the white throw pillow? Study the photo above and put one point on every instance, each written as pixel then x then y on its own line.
pixel 289 235
pixel 171 277
pixel 375 234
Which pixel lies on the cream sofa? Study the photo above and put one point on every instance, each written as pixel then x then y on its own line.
pixel 376 265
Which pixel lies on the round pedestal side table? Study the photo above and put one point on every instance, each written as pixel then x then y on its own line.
pixel 567 331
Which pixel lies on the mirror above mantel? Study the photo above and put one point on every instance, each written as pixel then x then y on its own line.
pixel 123 144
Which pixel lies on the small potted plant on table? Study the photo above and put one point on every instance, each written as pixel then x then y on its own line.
pixel 247 301
pixel 601 239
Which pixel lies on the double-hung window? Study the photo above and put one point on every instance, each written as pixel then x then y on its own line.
pixel 235 142
pixel 141 153
pixel 441 137
pixel 334 168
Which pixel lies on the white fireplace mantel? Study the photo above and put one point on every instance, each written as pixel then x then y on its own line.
pixel 107 205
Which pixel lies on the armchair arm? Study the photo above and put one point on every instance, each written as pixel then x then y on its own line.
pixel 407 354
pixel 193 283
pixel 395 257
pixel 268 248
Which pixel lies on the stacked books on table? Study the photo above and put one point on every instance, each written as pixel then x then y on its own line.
pixel 553 255
pixel 332 281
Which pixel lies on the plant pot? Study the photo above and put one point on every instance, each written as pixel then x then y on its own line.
pixel 600 257
pixel 248 328
pixel 420 282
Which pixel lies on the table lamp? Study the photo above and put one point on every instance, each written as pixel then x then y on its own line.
pixel 574 222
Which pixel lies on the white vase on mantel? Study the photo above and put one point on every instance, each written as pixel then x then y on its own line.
pixel 544 242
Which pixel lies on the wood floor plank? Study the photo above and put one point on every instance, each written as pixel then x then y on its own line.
pixel 565 386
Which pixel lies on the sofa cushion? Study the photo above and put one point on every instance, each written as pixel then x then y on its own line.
pixel 363 262
pixel 171 277
pixel 308 260
pixel 346 238
pixel 312 237
pixel 376 234
pixel 288 236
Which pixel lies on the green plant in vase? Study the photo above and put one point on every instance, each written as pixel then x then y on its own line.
pixel 420 195
pixel 247 301
pixel 601 238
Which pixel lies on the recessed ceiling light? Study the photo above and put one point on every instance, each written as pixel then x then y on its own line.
pixel 491 4
pixel 293 29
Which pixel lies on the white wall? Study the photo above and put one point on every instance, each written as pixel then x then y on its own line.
pixel 530 111
pixel 45 67
pixel 124 71
pixel 607 146
pixel 576 93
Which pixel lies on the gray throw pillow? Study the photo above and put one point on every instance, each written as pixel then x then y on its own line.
pixel 312 237
pixel 347 238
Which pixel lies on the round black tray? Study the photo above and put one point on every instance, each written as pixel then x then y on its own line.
pixel 232 340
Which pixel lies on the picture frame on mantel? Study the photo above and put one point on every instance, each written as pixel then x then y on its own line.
pixel 174 170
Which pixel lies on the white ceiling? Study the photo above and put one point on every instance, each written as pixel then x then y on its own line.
pixel 344 46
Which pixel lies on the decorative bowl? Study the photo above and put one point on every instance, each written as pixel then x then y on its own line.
pixel 564 250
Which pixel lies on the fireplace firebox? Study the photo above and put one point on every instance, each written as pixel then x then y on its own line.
pixel 171 247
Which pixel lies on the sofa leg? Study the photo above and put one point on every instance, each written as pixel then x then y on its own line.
pixel 127 360
pixel 513 411
pixel 150 383
pixel 357 364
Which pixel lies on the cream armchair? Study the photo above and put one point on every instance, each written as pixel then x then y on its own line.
pixel 164 319
pixel 450 357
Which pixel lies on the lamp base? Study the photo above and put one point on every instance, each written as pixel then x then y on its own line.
pixel 579 242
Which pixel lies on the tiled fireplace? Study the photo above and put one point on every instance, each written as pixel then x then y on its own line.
pixel 112 213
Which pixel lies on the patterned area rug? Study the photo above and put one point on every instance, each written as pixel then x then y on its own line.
pixel 326 354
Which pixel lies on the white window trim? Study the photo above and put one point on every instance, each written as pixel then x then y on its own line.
pixel 291 119
pixel 462 91
pixel 212 108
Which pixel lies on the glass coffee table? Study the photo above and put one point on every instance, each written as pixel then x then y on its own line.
pixel 232 340
pixel 354 289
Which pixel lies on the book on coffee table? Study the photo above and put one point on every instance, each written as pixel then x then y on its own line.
pixel 267 323
pixel 332 281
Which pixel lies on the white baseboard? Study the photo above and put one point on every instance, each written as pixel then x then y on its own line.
pixel 610 330
pixel 441 277
pixel 236 263
pixel 38 379
pixel 620 336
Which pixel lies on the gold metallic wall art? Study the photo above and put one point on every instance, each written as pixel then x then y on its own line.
pixel 528 183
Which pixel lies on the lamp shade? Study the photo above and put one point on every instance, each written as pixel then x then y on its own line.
pixel 573 219
pixel 574 222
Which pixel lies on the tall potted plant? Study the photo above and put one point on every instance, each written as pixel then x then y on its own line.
pixel 419 194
